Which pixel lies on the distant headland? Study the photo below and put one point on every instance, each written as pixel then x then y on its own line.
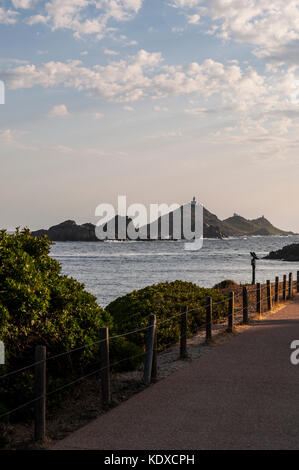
pixel 213 227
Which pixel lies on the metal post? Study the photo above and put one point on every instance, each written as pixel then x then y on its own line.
pixel 231 312
pixel 245 305
pixel 105 365
pixel 290 295
pixel 40 393
pixel 183 336
pixel 259 298
pixel 150 340
pixel 209 317
pixel 284 289
pixel 269 295
pixel 277 289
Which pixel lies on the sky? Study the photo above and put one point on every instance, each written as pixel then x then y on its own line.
pixel 158 100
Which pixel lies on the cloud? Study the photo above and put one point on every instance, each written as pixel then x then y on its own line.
pixel 110 52
pixel 196 111
pixel 166 135
pixel 82 17
pixel 10 138
pixel 193 19
pixel 144 74
pixel 273 27
pixel 24 4
pixel 8 16
pixel 59 110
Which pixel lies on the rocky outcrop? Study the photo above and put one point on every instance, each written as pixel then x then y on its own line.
pixel 69 231
pixel 287 253
pixel 213 227
pixel 239 226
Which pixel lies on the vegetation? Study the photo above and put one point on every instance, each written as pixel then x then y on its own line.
pixel 38 305
pixel 165 300
pixel 227 284
pixel 287 253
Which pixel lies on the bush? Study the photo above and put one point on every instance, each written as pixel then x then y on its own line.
pixel 125 354
pixel 38 305
pixel 226 284
pixel 165 300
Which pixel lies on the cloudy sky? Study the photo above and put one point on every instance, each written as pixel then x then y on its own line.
pixel 159 100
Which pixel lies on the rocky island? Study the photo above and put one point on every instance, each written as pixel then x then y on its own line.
pixel 287 253
pixel 213 227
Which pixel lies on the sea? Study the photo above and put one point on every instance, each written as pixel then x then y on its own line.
pixel 114 268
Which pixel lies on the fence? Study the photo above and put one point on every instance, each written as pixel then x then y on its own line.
pixel 248 301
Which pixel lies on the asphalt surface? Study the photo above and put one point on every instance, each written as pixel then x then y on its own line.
pixel 243 394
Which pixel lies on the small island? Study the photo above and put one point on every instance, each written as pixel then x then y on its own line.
pixel 287 253
pixel 213 227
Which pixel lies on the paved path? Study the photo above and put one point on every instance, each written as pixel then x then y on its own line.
pixel 244 394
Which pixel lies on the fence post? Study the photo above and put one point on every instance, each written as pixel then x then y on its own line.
pixel 183 337
pixel 40 393
pixel 105 365
pixel 259 298
pixel 284 288
pixel 297 282
pixel 155 358
pixel 276 289
pixel 245 305
pixel 290 295
pixel 209 317
pixel 269 295
pixel 150 340
pixel 231 309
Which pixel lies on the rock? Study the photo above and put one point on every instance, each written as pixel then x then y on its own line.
pixel 69 231
pixel 287 253
pixel 213 227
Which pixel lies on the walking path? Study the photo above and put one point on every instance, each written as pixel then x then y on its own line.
pixel 243 394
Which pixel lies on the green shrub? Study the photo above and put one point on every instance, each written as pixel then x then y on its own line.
pixel 125 354
pixel 165 300
pixel 38 305
pixel 227 284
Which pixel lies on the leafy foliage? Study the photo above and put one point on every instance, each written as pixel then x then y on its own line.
pixel 227 284
pixel 166 301
pixel 38 305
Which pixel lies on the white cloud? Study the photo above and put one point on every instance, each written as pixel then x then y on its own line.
pixel 24 4
pixel 193 19
pixel 110 52
pixel 82 17
pixel 166 135
pixel 196 111
pixel 59 110
pixel 273 27
pixel 8 16
pixel 232 88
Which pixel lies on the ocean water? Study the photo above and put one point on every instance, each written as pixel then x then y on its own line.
pixel 112 269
